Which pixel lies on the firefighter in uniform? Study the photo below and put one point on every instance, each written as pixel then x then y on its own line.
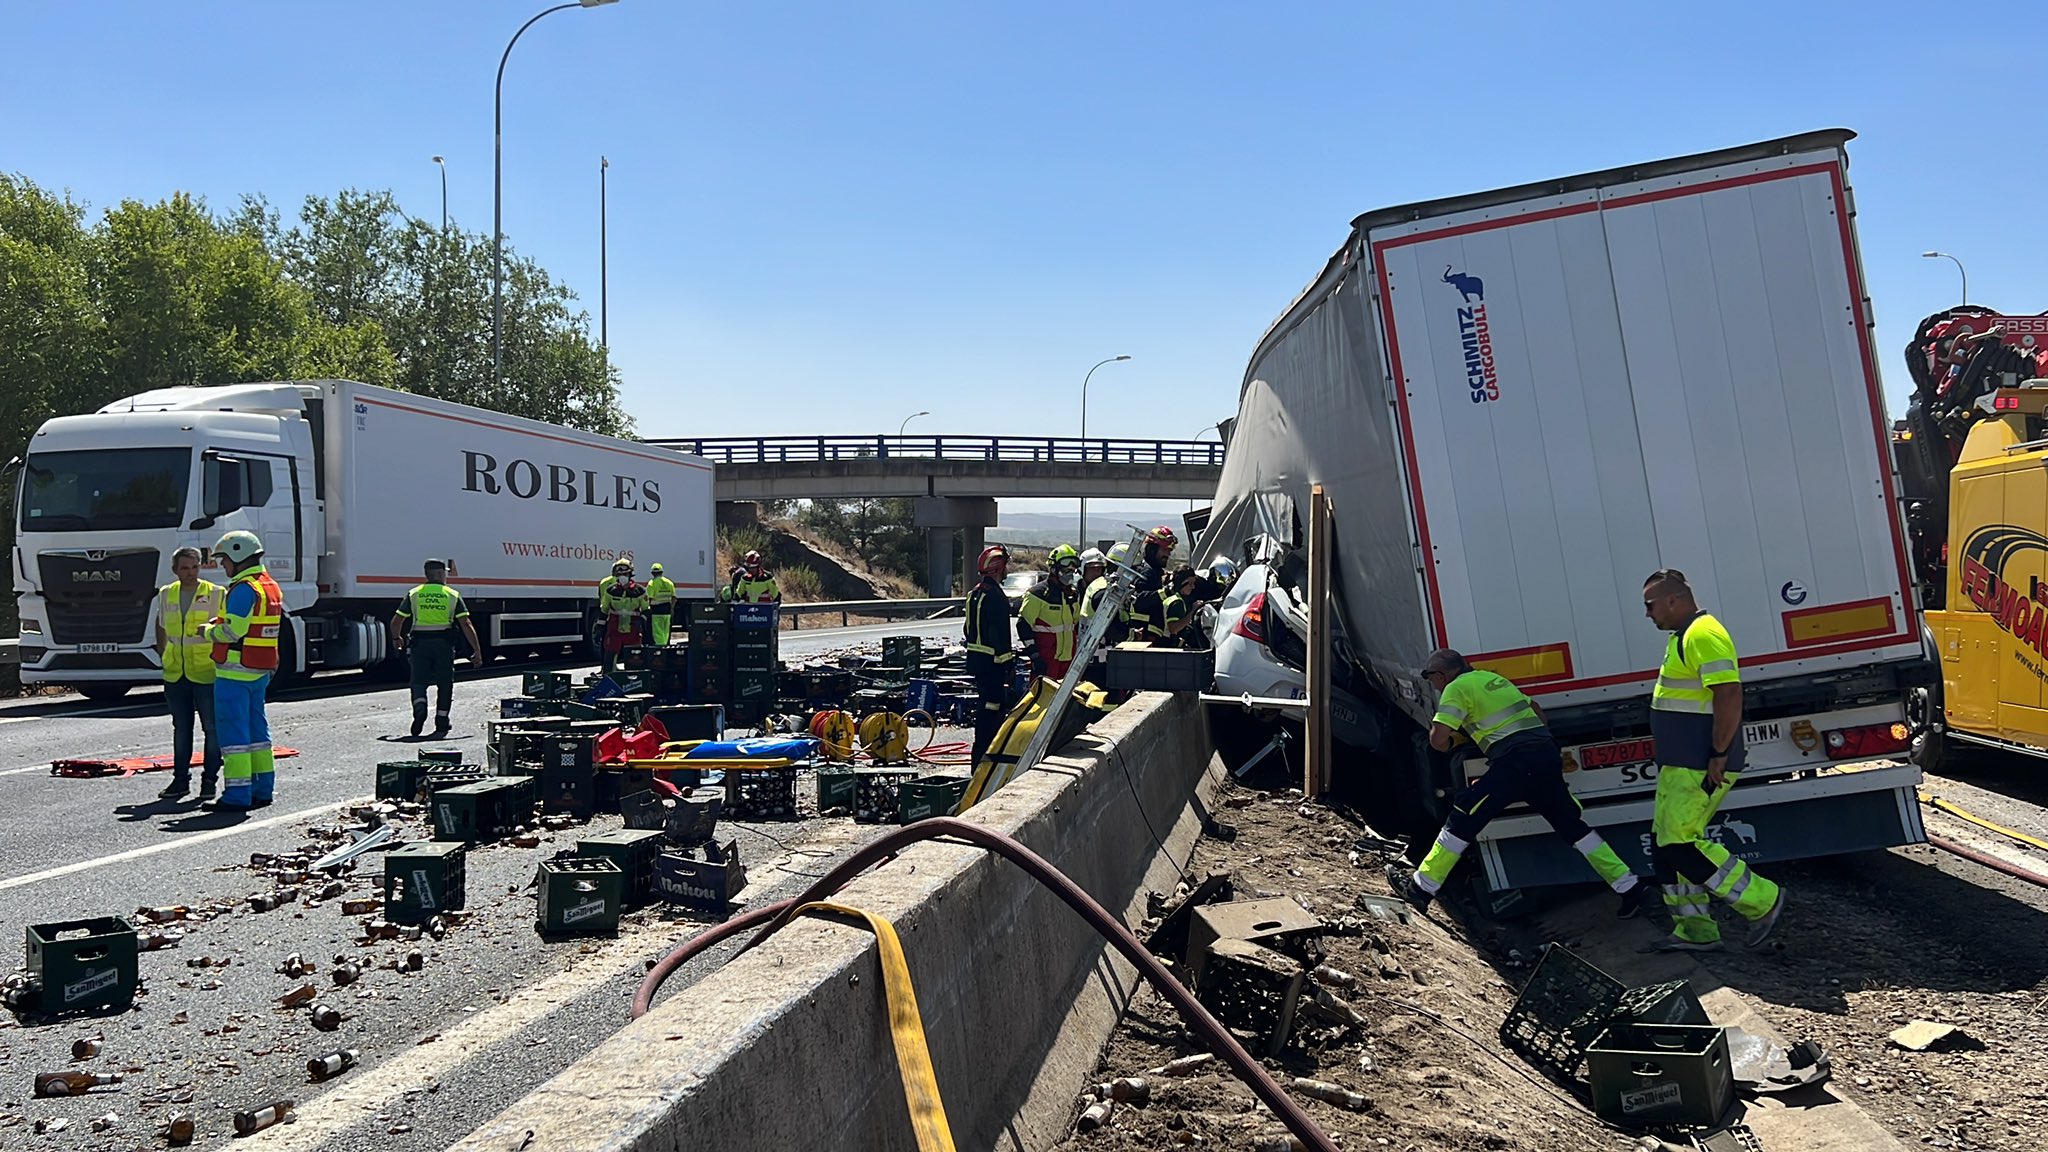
pixel 1523 765
pixel 1050 614
pixel 245 637
pixel 1696 720
pixel 755 585
pixel 1091 600
pixel 185 608
pixel 990 658
pixel 623 600
pixel 426 622
pixel 1145 616
pixel 661 603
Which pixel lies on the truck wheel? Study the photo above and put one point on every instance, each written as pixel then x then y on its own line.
pixel 101 691
pixel 1930 746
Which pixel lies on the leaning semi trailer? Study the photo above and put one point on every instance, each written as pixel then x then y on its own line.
pixel 1522 402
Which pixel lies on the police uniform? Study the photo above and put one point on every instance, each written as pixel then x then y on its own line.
pixel 1692 868
pixel 431 610
pixel 1522 766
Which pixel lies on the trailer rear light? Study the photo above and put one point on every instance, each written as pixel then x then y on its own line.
pixel 2005 403
pixel 1867 740
pixel 1252 623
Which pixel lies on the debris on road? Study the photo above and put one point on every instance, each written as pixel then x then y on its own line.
pixel 74 1083
pixel 1330 1093
pixel 333 1063
pixel 86 1049
pixel 298 997
pixel 1928 1036
pixel 326 1017
pixel 257 1119
pixel 178 1129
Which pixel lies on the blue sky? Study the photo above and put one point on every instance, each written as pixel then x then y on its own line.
pixel 826 216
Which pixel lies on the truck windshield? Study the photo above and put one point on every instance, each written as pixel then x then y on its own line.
pixel 104 490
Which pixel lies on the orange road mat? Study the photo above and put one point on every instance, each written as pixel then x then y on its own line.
pixel 130 765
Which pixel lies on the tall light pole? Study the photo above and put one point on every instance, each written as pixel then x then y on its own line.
pixel 1959 268
pixel 907 420
pixel 498 190
pixel 442 164
pixel 603 267
pixel 1083 541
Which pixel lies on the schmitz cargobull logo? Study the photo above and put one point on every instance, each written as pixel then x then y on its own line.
pixel 1987 554
pixel 1481 376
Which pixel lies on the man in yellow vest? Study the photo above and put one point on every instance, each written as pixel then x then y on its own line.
pixel 426 622
pixel 245 637
pixel 661 603
pixel 1696 720
pixel 185 607
pixel 1051 612
pixel 1523 766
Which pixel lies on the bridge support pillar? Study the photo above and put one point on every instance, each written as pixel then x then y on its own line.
pixel 941 517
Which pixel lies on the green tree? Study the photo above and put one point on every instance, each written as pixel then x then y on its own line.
pixel 878 533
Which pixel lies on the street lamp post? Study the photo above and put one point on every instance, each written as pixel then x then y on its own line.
pixel 1083 541
pixel 907 420
pixel 1964 272
pixel 498 190
pixel 442 164
pixel 604 341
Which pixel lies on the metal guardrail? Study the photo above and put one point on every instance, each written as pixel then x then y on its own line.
pixel 887 609
pixel 988 449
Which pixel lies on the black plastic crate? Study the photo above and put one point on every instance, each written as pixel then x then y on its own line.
pixel 756 617
pixel 633 850
pixel 615 783
pixel 545 685
pixel 519 707
pixel 707 878
pixel 1565 1005
pixel 1661 1074
pixel 568 774
pixel 440 776
pixel 400 779
pixel 442 756
pixel 484 810
pixel 638 658
pixel 707 640
pixel 1138 668
pixel 905 654
pixel 578 895
pixel 708 612
pixel 760 793
pixel 875 793
pixel 81 965
pixel 518 751
pixel 424 879
pixel 930 796
pixel 691 721
pixel 753 688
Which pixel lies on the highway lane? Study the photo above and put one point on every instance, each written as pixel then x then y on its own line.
pixel 80 847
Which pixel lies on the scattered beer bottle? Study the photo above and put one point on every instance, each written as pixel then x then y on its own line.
pixel 333 1064
pixel 85 1049
pixel 179 1128
pixel 257 1119
pixel 73 1083
pixel 326 1018
pixel 345 973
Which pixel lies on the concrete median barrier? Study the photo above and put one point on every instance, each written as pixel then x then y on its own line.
pixel 788 1046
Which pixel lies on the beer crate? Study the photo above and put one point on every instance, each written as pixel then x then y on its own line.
pixel 568 774
pixel 691 721
pixel 440 776
pixel 756 617
pixel 625 711
pixel 761 793
pixel 1661 1074
pixel 579 895
pixel 835 788
pixel 633 850
pixel 83 964
pixel 707 878
pixel 1140 668
pixel 756 688
pixel 442 756
pixel 614 782
pixel 903 653
pixel 639 658
pixel 545 685
pixel 400 779
pixel 708 612
pixel 928 797
pixel 424 879
pixel 484 810
pixel 875 793
pixel 517 751
pixel 519 707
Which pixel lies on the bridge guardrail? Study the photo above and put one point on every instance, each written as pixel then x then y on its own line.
pixel 992 449
pixel 888 609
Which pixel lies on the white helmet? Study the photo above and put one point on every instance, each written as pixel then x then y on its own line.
pixel 1091 556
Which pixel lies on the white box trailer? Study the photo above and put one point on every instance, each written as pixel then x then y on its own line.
pixel 1523 402
pixel 351 487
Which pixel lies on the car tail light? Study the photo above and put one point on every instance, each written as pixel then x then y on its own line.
pixel 1866 740
pixel 1251 624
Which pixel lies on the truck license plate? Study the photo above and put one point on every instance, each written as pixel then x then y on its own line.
pixel 99 647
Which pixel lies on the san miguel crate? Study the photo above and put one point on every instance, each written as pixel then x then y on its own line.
pixel 633 850
pixel 517 751
pixel 835 788
pixel 903 653
pixel 1661 1074
pixel 875 793
pixel 761 793
pixel 484 810
pixel 568 774
pixel 440 776
pixel 757 688
pixel 579 895
pixel 708 879
pixel 83 964
pixel 400 779
pixel 930 796
pixel 422 880
pixel 442 756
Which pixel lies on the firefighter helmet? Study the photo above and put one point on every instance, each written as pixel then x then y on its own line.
pixel 994 558
pixel 239 546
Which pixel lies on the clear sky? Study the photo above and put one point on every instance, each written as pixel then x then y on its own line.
pixel 827 216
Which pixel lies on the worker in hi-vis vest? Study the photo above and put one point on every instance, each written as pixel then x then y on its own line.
pixel 1523 765
pixel 661 603
pixel 1696 720
pixel 991 659
pixel 424 628
pixel 245 637
pixel 186 607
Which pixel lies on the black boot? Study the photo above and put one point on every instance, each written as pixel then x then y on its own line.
pixel 180 784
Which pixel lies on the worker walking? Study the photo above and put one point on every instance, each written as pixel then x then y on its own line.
pixel 1696 720
pixel 1051 614
pixel 425 623
pixel 755 585
pixel 186 607
pixel 661 603
pixel 1523 765
pixel 623 600
pixel 990 658
pixel 245 657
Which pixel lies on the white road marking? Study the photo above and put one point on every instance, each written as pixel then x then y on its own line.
pixel 30 768
pixel 15 719
pixel 183 841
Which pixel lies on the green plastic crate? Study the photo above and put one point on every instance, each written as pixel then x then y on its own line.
pixel 423 879
pixel 579 895
pixel 400 779
pixel 1661 1073
pixel 836 788
pixel 931 796
pixel 83 964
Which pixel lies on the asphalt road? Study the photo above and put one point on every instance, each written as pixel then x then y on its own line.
pixel 495 1010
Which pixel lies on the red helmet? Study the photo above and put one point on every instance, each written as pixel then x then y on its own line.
pixel 1162 536
pixel 753 561
pixel 994 558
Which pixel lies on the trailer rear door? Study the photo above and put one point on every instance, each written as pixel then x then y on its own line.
pixel 1673 372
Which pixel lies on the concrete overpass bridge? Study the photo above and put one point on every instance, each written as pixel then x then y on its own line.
pixel 955 480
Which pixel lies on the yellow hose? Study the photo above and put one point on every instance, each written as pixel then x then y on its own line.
pixel 1979 821
pixel 906 1031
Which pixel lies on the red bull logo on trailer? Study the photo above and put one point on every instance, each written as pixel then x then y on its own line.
pixel 1481 377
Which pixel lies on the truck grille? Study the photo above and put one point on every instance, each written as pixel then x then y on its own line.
pixel 99 597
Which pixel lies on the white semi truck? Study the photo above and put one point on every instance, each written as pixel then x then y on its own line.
pixel 1523 402
pixel 351 487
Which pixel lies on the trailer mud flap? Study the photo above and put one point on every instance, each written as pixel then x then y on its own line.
pixel 1767 821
